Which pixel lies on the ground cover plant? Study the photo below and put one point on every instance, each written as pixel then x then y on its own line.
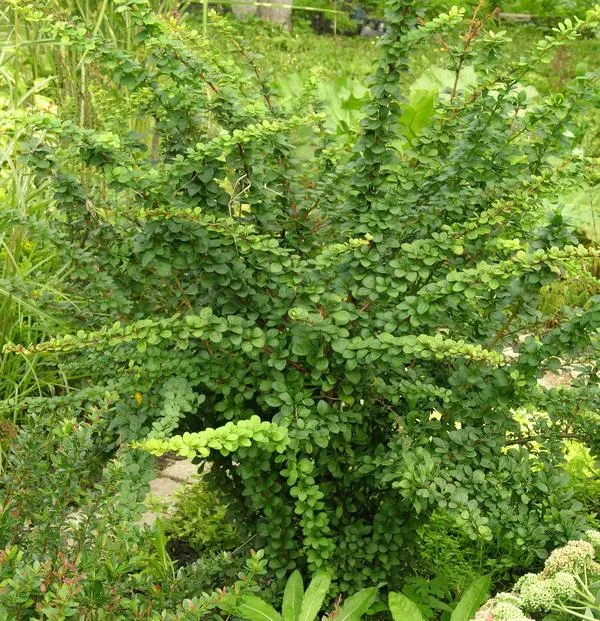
pixel 321 314
pixel 567 588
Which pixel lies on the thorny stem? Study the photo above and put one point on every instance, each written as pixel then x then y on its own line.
pixel 474 28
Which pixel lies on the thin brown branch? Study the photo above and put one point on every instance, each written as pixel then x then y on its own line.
pixel 474 28
pixel 528 439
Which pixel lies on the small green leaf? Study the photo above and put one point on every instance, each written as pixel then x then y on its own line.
pixel 341 317
pixel 301 346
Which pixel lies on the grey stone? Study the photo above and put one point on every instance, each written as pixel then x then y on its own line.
pixel 510 353
pixel 516 17
pixel 163 487
pixel 148 518
pixel 182 470
pixel 554 380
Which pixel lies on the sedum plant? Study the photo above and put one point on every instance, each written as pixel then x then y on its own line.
pixel 567 588
pixel 327 325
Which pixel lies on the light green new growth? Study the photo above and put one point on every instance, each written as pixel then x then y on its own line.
pixel 226 439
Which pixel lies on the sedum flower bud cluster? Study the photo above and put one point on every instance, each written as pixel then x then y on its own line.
pixel 541 592
pixel 593 537
pixel 503 607
pixel 575 557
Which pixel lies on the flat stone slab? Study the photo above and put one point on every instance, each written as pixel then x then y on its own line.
pixel 182 470
pixel 163 487
pixel 564 378
pixel 148 518
pixel 554 380
pixel 173 473
pixel 516 17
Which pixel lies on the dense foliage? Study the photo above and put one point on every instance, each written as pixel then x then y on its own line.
pixel 324 318
pixel 70 544
pixel 543 8
pixel 201 518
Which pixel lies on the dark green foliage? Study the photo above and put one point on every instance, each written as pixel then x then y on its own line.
pixel 240 265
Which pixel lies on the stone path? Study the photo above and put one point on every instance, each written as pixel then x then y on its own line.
pixel 173 473
pixel 564 377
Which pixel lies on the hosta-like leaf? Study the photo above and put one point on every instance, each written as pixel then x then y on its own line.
pixel 292 597
pixel 356 605
pixel 253 608
pixel 475 594
pixel 403 608
pixel 314 596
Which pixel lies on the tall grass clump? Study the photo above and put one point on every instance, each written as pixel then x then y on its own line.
pixel 32 272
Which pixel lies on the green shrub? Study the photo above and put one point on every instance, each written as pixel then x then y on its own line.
pixel 202 518
pixel 69 542
pixel 328 325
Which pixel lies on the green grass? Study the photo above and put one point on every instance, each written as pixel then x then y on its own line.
pixel 31 271
pixel 279 53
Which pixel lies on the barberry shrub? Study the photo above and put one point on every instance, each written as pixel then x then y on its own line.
pixel 328 324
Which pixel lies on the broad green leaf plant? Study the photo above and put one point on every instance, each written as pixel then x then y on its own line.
pixel 403 608
pixel 298 605
pixel 327 326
